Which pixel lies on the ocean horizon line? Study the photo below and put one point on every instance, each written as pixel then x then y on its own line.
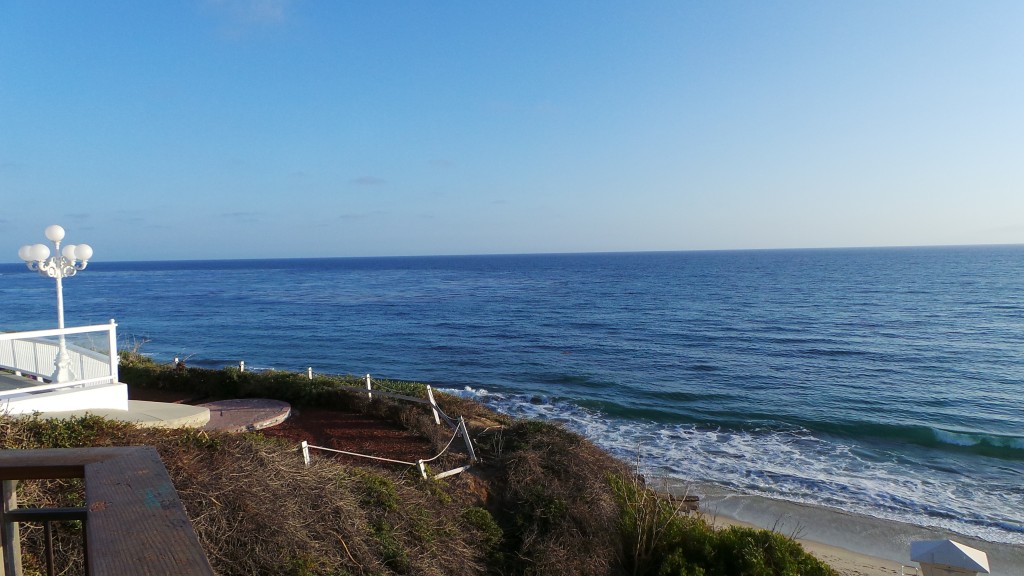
pixel 558 253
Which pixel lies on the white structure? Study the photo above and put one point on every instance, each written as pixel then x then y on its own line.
pixel 39 370
pixel 948 558
pixel 27 360
pixel 63 264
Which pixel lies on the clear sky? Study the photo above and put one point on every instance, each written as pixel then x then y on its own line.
pixel 163 129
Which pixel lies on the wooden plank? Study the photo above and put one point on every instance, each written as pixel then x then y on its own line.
pixel 51 462
pixel 137 524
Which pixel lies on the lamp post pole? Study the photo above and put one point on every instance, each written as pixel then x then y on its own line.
pixel 63 264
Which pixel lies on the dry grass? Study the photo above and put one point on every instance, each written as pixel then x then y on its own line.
pixel 542 501
pixel 258 510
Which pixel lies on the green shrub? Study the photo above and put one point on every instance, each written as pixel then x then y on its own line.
pixel 378 492
pixel 660 540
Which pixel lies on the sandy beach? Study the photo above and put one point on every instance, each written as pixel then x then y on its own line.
pixel 855 545
pixel 846 562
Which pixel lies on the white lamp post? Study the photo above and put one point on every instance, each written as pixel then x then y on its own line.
pixel 63 264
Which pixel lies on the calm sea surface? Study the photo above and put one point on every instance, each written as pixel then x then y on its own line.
pixel 888 382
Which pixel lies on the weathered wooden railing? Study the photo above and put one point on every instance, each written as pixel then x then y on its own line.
pixel 133 521
pixel 34 353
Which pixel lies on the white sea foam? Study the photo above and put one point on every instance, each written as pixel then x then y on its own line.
pixel 791 465
pixel 976 439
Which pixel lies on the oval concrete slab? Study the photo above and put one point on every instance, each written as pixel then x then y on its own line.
pixel 245 414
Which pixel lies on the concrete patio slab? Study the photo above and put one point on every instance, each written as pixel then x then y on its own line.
pixel 147 414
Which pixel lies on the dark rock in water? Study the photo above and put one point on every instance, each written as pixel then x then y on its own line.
pixel 536 400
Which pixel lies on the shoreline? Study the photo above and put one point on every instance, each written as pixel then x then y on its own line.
pixel 854 544
pixel 846 562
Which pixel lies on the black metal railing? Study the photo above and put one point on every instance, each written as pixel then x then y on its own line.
pixel 46 517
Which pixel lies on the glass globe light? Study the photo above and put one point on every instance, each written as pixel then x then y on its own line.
pixel 25 253
pixel 69 251
pixel 83 252
pixel 54 233
pixel 39 252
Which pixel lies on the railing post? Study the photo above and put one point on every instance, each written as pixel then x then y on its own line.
pixel 433 405
pixel 469 443
pixel 115 358
pixel 10 540
pixel 369 395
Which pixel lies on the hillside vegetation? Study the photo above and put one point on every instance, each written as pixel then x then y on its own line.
pixel 542 501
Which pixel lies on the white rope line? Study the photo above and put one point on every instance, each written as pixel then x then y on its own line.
pixel 457 428
pixel 445 416
pixel 445 448
pixel 454 436
pixel 362 455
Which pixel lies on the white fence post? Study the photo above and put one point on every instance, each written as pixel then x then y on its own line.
pixel 469 443
pixel 433 405
pixel 423 469
pixel 241 365
pixel 309 372
pixel 115 358
pixel 369 395
pixel 305 453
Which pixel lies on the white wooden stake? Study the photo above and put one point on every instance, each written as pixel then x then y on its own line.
pixel 423 469
pixel 309 372
pixel 451 472
pixel 305 453
pixel 368 394
pixel 241 365
pixel 433 405
pixel 469 443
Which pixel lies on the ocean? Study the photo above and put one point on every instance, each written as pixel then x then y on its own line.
pixel 883 382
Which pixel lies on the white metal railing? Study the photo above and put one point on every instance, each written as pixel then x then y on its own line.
pixel 34 353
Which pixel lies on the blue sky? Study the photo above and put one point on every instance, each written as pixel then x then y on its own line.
pixel 274 128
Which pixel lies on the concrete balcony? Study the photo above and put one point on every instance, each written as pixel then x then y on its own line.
pixel 27 379
pixel 28 359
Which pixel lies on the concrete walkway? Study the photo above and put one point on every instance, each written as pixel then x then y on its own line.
pixel 147 414
pixel 11 382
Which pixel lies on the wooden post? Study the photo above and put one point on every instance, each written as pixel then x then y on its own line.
pixel 309 372
pixel 369 395
pixel 423 469
pixel 451 472
pixel 433 405
pixel 469 443
pixel 305 453
pixel 10 540
pixel 241 365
